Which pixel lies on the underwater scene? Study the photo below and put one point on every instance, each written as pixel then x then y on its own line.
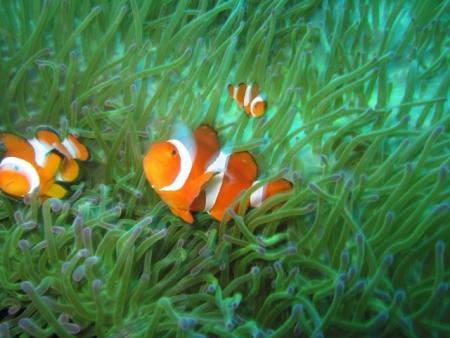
pixel 224 168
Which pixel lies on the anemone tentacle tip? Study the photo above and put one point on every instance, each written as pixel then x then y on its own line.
pixel 297 309
pixel 27 286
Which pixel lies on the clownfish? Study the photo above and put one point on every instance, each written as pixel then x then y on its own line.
pixel 176 168
pixel 248 97
pixel 192 174
pixel 70 148
pixel 43 162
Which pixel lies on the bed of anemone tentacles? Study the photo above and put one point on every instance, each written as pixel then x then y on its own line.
pixel 357 118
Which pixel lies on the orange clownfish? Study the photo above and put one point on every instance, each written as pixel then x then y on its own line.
pixel 248 97
pixel 43 162
pixel 191 174
pixel 176 168
pixel 70 148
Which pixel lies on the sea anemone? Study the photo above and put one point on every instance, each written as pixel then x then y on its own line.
pixel 357 118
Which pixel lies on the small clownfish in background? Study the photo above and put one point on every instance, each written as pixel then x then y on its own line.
pixel 191 174
pixel 39 163
pixel 70 148
pixel 248 97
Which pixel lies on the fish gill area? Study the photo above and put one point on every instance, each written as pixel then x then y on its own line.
pixel 357 118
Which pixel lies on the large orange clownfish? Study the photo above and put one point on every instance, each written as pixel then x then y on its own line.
pixel 249 98
pixel 44 163
pixel 176 168
pixel 191 174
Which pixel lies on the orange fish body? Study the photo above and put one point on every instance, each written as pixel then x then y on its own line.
pixel 249 98
pixel 32 164
pixel 177 172
pixel 240 173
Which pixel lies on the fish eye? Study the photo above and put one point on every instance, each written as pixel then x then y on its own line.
pixel 174 152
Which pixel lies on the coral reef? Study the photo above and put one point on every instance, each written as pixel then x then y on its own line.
pixel 357 117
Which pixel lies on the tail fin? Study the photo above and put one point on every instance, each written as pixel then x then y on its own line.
pixel 258 106
pixel 17 146
pixel 272 188
pixel 76 149
pixel 278 186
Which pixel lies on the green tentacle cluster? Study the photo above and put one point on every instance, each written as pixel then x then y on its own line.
pixel 357 118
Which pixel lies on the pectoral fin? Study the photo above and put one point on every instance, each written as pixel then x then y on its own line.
pixel 70 170
pixel 183 214
pixel 197 185
pixel 55 190
pixel 52 165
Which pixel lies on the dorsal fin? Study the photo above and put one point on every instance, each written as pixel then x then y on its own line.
pixel 206 138
pixel 242 166
pixel 47 135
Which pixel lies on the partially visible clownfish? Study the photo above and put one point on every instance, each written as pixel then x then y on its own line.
pixel 44 163
pixel 70 148
pixel 191 174
pixel 249 98
pixel 237 172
